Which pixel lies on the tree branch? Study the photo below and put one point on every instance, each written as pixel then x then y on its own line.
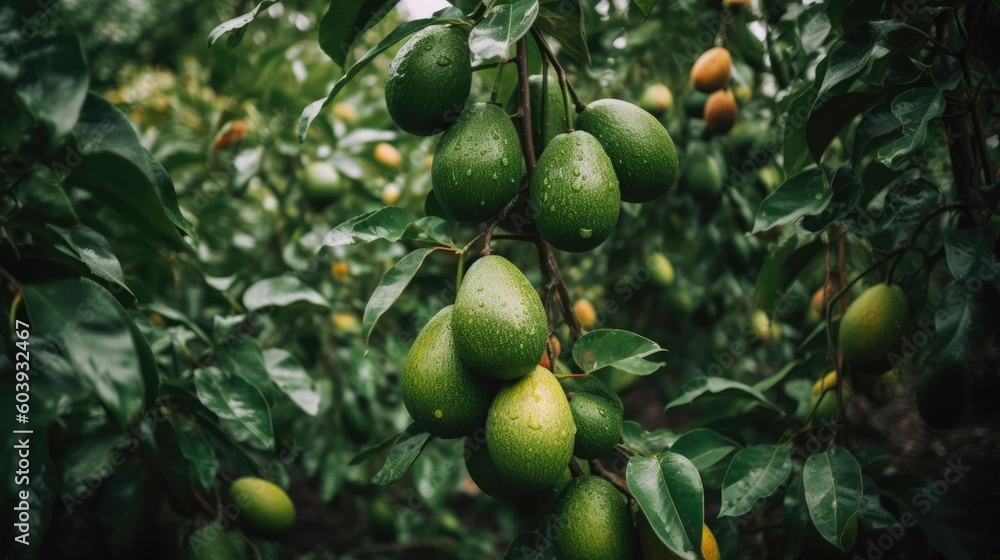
pixel 547 52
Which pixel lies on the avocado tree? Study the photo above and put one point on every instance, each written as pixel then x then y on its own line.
pixel 434 286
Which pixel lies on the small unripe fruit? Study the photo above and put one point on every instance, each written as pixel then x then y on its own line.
pixel 263 504
pixel 345 323
pixel 321 182
pixel 721 112
pixel 824 392
pixel 712 70
pixel 585 313
pixel 660 269
pixel 766 330
pixel 872 328
pixel 556 350
pixel 656 99
pixel 878 388
pixel 388 155
pixel 597 413
pixel 818 302
pixel 340 270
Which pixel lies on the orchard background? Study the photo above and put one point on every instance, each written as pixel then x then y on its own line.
pixel 200 292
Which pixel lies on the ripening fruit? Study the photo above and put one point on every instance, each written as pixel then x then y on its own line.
pixel 345 323
pixel 321 182
pixel 703 176
pixel 640 149
pixel 585 313
pixel 825 389
pixel 484 472
pixel 232 136
pixel 942 395
pixel 390 194
pixel 442 394
pixel 345 112
pixel 736 4
pixel 340 270
pixel 595 522
pixel 597 413
pixel 878 388
pixel 660 270
pixel 766 330
pixel 212 543
pixel 530 430
pixel 574 195
pixel 477 164
pixel 388 155
pixel 818 302
pixel 499 323
pixel 872 328
pixel 555 122
pixel 656 99
pixel 556 350
pixel 429 80
pixel 654 549
pixel 712 70
pixel 263 504
pixel 721 111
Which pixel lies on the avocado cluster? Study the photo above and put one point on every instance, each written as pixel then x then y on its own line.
pixel 709 75
pixel 473 371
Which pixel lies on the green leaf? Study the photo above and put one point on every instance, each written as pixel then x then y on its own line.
pixel 969 252
pixel 915 108
pixel 404 452
pixel 755 472
pixel 853 53
pixel 53 82
pixel 281 291
pixel 123 174
pixel 238 25
pixel 904 207
pixel 369 452
pixel 951 526
pixel 85 459
pixel 874 127
pixel 795 148
pixel 946 71
pixel 636 438
pixel 242 356
pixel 795 514
pixel 121 506
pixel 234 399
pixel 721 388
pixel 390 287
pixel 291 377
pixel 638 366
pixel 564 20
pixel 390 224
pixel 450 15
pixel 91 248
pixel 196 448
pixel 832 481
pixel 703 447
pixel 958 332
pixel 505 23
pixel 782 267
pixel 829 116
pixel 871 512
pixel 607 347
pixel 806 192
pixel 345 21
pixel 669 492
pixel 645 6
pixel 846 190
pixel 43 200
pixel 94 333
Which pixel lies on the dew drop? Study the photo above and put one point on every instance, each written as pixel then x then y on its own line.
pixel 586 233
pixel 468 172
pixel 577 186
pixel 479 288
pixel 503 304
pixel 482 304
pixel 438 414
pixel 534 424
pixel 552 208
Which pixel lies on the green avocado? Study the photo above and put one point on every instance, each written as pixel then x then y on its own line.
pixel 554 121
pixel 321 182
pixel 499 324
pixel 212 543
pixel 702 176
pixel 597 413
pixel 942 395
pixel 694 104
pixel 574 193
pixel 429 80
pixel 595 522
pixel 484 472
pixel 661 270
pixel 530 430
pixel 442 394
pixel 641 150
pixel 263 504
pixel 477 165
pixel 872 328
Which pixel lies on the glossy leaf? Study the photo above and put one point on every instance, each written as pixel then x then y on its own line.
pixel 755 472
pixel 606 347
pixel 238 25
pixel 53 82
pixel 958 333
pixel 91 248
pixel 915 108
pixel 645 6
pixel 530 546
pixel 669 492
pixel 234 399
pixel 807 192
pixel 293 380
pixel 390 224
pixel 871 512
pixel 846 191
pixel 196 448
pixel 904 206
pixel 369 452
pixel 281 291
pixel 795 148
pixel 390 287
pixel 833 486
pixel 872 131
pixel 853 53
pixel 405 450
pixel 720 388
pixel 782 267
pixel 505 23
pixel 345 21
pixel 564 20
pixel 703 447
pixel 636 438
pixel 242 356
pixel 969 252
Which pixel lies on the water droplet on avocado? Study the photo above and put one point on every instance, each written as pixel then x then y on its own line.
pixel 468 171
pixel 505 161
pixel 503 304
pixel 438 414
pixel 552 208
pixel 482 304
pixel 479 287
pixel 586 233
pixel 577 186
pixel 534 424
pixel 576 171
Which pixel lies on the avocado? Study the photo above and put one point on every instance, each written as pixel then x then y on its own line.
pixel 263 504
pixel 484 472
pixel 661 271
pixel 321 182
pixel 641 150
pixel 694 104
pixel 530 430
pixel 712 70
pixel 872 328
pixel 477 165
pixel 429 80
pixel 597 413
pixel 499 324
pixel 554 121
pixel 595 522
pixel 442 394
pixel 574 197
pixel 654 549
pixel 212 543
pixel 942 395
pixel 702 176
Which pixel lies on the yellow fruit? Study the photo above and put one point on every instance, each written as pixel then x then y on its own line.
pixel 654 549
pixel 743 93
pixel 388 155
pixel 585 313
pixel 157 320
pixel 736 4
pixel 345 112
pixel 721 112
pixel 878 388
pixel 827 381
pixel 340 270
pixel 660 269
pixel 345 323
pixel 712 70
pixel 824 392
pixel 263 504
pixel 817 305
pixel 766 330
pixel 657 99
pixel 390 194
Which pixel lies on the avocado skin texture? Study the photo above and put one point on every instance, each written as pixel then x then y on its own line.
pixel 641 150
pixel 477 164
pixel 429 80
pixel 555 109
pixel 263 504
pixel 872 327
pixel 499 324
pixel 575 211
pixel 443 396
pixel 942 395
pixel 595 522
pixel 484 472
pixel 211 543
pixel 597 413
pixel 654 549
pixel 530 430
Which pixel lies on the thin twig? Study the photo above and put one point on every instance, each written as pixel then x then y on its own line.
pixel 547 52
pixel 613 478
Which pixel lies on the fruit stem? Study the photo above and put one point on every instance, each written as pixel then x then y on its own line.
pixel 461 269
pixel 547 52
pixel 496 83
pixel 613 478
pixel 574 468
